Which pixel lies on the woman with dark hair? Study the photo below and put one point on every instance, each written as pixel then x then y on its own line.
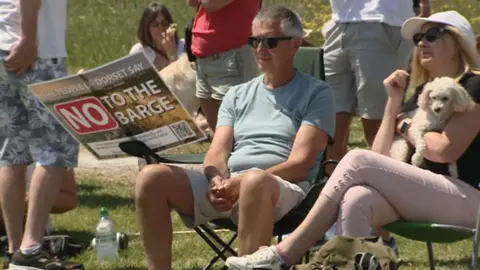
pixel 157 36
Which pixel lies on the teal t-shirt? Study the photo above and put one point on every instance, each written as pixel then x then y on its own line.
pixel 265 120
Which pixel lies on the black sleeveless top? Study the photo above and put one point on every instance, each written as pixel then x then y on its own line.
pixel 468 162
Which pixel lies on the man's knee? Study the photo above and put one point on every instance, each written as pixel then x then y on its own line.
pixel 257 182
pixel 153 181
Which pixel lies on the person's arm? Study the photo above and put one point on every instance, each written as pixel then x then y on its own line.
pixel 216 159
pixel 313 136
pixel 23 55
pixel 424 8
pixel 214 5
pixel 449 145
pixel 386 132
pixel 309 143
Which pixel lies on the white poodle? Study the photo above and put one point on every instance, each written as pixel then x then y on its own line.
pixel 438 101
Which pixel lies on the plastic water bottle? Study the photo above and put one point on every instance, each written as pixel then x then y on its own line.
pixel 106 238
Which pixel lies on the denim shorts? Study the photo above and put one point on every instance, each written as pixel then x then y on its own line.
pixel 28 132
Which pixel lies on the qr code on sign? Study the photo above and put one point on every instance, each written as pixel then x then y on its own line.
pixel 182 130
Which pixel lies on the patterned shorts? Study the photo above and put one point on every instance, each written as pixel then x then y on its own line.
pixel 28 132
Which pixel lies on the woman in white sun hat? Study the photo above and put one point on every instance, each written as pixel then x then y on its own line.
pixel 368 189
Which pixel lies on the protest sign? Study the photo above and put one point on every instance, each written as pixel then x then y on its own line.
pixel 117 102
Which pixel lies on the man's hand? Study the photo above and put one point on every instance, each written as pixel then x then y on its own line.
pixel 216 195
pixel 22 56
pixel 224 193
pixel 231 189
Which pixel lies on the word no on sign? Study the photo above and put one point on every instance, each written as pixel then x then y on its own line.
pixel 86 115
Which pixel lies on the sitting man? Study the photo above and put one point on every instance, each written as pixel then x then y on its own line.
pixel 269 141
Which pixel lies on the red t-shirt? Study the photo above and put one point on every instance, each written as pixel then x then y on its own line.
pixel 225 29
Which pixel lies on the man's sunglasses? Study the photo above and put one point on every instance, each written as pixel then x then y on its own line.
pixel 430 36
pixel 268 42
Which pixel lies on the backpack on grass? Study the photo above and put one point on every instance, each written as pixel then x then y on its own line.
pixel 347 253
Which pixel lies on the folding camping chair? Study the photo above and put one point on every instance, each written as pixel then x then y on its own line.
pixel 437 233
pixel 284 226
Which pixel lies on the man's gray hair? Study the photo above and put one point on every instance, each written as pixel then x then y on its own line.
pixel 290 22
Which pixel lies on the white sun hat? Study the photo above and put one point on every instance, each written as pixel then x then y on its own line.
pixel 413 25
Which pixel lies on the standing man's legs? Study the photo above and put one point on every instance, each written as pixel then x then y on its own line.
pixel 380 51
pixel 43 140
pixel 358 84
pixel 14 153
pixel 340 77
pixel 54 150
pixel 217 73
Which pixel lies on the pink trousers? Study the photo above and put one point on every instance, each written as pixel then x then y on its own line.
pixel 373 190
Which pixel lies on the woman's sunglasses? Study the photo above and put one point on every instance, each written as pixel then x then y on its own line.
pixel 430 36
pixel 269 43
pixel 156 24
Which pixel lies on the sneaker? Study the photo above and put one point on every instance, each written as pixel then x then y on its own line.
pixel 6 260
pixel 40 260
pixel 265 258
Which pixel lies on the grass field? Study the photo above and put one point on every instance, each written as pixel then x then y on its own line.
pixel 103 30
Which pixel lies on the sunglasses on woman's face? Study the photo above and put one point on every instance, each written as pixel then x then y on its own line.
pixel 432 35
pixel 269 42
pixel 156 24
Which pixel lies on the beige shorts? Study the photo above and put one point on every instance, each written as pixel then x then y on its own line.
pixel 291 195
pixel 218 72
pixel 358 57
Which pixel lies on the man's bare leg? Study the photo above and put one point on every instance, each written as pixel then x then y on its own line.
pixel 259 193
pixel 370 128
pixel 158 189
pixel 343 121
pixel 12 196
pixel 42 194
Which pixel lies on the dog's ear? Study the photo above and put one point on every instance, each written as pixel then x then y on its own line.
pixel 461 99
pixel 424 98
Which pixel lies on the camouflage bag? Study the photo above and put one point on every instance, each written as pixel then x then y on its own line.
pixel 343 252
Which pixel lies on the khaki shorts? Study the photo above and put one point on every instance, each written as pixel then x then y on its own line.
pixel 291 195
pixel 358 57
pixel 218 72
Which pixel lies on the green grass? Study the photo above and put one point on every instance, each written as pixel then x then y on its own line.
pixel 189 251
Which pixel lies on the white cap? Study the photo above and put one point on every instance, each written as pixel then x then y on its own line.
pixel 413 25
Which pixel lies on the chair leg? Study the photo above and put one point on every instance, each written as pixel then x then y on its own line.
pixel 476 242
pixel 431 258
pixel 203 231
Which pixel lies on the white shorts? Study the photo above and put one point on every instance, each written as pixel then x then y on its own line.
pixel 291 195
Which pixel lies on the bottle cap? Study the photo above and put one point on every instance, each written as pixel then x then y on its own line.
pixel 103 212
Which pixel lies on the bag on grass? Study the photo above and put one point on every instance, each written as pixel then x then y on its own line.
pixel 62 246
pixel 347 253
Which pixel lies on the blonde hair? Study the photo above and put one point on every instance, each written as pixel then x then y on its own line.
pixel 470 59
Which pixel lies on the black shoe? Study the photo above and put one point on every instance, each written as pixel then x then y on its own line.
pixel 40 260
pixel 6 260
